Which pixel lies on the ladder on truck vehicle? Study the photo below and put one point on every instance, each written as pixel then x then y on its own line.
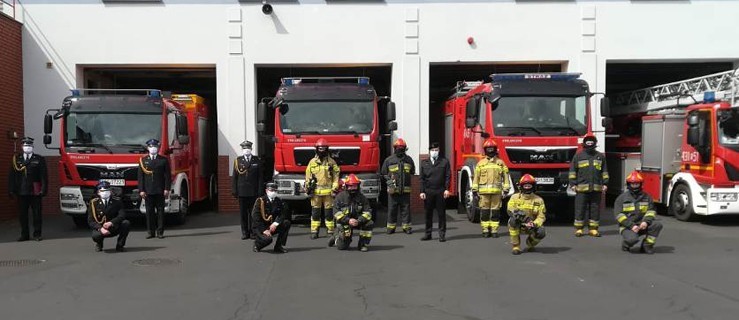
pixel 463 87
pixel 678 94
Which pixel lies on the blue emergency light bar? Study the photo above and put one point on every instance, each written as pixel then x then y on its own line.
pixel 295 81
pixel 152 93
pixel 535 76
pixel 709 97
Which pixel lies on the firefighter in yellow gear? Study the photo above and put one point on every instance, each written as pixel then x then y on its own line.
pixel 490 182
pixel 527 215
pixel 321 181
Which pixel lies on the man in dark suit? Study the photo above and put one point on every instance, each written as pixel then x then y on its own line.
pixel 107 218
pixel 269 220
pixel 155 182
pixel 28 180
pixel 435 178
pixel 246 183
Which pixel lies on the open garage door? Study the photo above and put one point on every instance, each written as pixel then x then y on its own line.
pixel 200 80
pixel 443 78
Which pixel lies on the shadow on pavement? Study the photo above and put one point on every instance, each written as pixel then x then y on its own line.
pixel 133 249
pixel 197 234
pixel 664 249
pixel 464 236
pixel 551 250
pixel 301 249
pixel 384 248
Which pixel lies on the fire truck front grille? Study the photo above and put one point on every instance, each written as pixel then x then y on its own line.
pixel 97 173
pixel 540 154
pixel 342 156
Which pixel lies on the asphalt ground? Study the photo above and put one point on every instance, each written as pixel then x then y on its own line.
pixel 213 274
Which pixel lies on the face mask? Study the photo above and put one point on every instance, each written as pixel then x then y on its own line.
pixel 271 195
pixel 635 188
pixel 27 149
pixel 246 152
pixel 153 150
pixel 400 152
pixel 527 191
pixel 491 153
pixel 105 195
pixel 590 145
pixel 434 154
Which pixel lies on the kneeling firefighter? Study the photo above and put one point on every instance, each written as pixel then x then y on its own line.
pixel 527 215
pixel 352 211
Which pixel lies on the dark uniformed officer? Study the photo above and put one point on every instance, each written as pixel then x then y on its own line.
pixel 268 217
pixel 397 171
pixel 155 182
pixel 635 214
pixel 107 218
pixel 28 180
pixel 588 177
pixel 435 178
pixel 352 210
pixel 246 184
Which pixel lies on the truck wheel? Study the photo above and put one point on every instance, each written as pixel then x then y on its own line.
pixel 681 203
pixel 180 217
pixel 469 206
pixel 80 221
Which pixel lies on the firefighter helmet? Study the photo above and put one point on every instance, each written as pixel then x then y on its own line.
pixel 635 177
pixel 321 143
pixel 527 179
pixel 400 143
pixel 589 137
pixel 490 143
pixel 351 183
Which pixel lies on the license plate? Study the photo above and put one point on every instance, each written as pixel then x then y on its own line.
pixel 115 182
pixel 545 180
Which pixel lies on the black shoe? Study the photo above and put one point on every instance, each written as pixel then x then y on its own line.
pixel 442 239
pixel 647 249
pixel 22 238
pixel 486 234
pixel 280 250
pixel 244 236
pixel 98 248
pixel 160 236
pixel 314 236
pixel 331 241
pixel 494 234
pixel 120 249
pixel 390 231
pixel 408 231
pixel 426 237
pixel 38 238
pixel 149 236
pixel 254 248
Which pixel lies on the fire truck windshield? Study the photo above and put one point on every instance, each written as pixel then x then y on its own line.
pixel 540 116
pixel 111 129
pixel 728 128
pixel 327 117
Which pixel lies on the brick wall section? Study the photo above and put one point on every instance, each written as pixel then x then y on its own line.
pixel 226 202
pixel 11 102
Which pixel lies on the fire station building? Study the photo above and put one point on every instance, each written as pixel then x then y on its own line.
pixel 234 52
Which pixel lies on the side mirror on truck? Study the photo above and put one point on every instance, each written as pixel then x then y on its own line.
pixel 693 134
pixel 47 139
pixel 183 136
pixel 390 112
pixel 392 126
pixel 471 112
pixel 261 116
pixel 183 140
pixel 605 107
pixel 48 124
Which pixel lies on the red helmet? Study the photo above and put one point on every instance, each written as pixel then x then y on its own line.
pixel 321 143
pixel 527 178
pixel 400 143
pixel 352 182
pixel 490 143
pixel 635 177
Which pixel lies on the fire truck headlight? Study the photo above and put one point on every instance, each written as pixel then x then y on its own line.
pixel 67 196
pixel 724 196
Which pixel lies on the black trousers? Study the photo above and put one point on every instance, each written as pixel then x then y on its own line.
pixel 121 231
pixel 33 203
pixel 246 204
pixel 435 201
pixel 630 238
pixel 155 219
pixel 399 204
pixel 282 231
pixel 587 206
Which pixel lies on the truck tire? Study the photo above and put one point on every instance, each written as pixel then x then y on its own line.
pixel 80 221
pixel 180 217
pixel 681 203
pixel 468 205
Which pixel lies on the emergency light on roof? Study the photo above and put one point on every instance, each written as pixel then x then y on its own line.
pixel 152 93
pixel 294 81
pixel 534 76
pixel 709 97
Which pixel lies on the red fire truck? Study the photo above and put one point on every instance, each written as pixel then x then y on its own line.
pixel 689 149
pixel 102 138
pixel 344 111
pixel 538 121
